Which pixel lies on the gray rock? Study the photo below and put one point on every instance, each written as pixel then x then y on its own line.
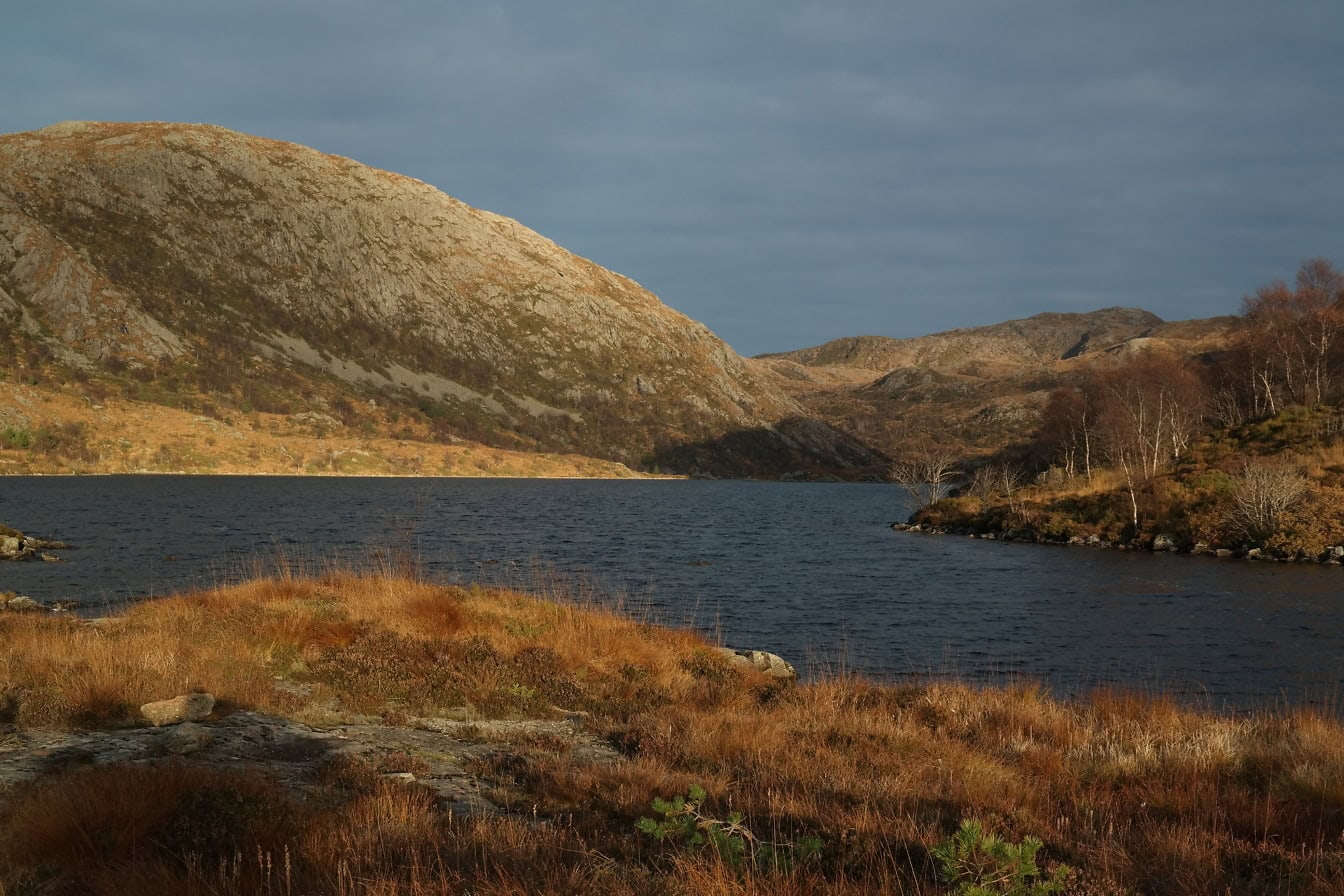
pixel 1164 543
pixel 448 750
pixel 20 603
pixel 1224 552
pixel 186 708
pixel 769 663
pixel 187 737
pixel 18 546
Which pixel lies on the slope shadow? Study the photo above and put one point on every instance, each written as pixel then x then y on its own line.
pixel 793 448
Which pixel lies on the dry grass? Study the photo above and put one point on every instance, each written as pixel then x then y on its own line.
pixel 125 435
pixel 1136 793
pixel 359 643
pixel 1322 461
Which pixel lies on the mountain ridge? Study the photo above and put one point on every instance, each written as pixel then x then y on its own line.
pixel 974 389
pixel 1044 337
pixel 263 272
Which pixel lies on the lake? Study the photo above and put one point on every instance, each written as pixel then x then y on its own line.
pixel 808 570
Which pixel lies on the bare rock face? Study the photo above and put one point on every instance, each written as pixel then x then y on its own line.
pixel 186 708
pixel 154 245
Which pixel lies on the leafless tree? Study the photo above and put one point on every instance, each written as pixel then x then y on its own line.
pixel 1150 407
pixel 1293 336
pixel 991 481
pixel 1069 429
pixel 927 473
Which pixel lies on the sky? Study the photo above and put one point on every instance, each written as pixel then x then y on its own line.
pixel 787 172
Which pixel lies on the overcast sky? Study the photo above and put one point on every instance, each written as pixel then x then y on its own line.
pixel 787 172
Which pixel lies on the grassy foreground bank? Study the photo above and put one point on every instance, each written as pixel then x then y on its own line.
pixel 839 786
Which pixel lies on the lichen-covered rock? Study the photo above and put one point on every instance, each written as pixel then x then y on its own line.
pixel 186 708
pixel 761 661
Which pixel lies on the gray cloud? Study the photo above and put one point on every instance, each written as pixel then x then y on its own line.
pixel 789 171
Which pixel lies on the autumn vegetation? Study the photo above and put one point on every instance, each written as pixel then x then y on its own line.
pixel 728 782
pixel 1238 450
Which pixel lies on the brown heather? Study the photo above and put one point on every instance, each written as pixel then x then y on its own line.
pixel 1135 793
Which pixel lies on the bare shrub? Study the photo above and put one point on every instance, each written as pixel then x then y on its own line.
pixel 1263 492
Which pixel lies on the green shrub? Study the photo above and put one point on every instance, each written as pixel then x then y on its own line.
pixel 977 862
pixel 16 437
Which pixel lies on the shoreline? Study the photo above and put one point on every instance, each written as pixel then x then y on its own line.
pixel 1331 556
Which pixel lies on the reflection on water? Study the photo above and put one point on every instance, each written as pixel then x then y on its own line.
pixel 810 571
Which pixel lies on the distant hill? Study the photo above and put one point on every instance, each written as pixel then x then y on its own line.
pixel 191 266
pixel 973 389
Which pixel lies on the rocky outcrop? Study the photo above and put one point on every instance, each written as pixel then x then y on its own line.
pixel 438 754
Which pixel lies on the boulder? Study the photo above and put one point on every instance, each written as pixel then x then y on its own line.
pixel 759 660
pixel 185 708
pixel 1163 543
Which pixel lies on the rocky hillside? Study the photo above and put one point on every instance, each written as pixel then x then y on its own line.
pixel 193 266
pixel 977 389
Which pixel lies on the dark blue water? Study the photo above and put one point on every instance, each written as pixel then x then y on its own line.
pixel 810 571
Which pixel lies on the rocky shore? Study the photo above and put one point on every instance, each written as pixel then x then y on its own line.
pixel 14 545
pixel 1159 544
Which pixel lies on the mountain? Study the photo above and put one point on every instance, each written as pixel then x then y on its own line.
pixel 194 266
pixel 976 389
